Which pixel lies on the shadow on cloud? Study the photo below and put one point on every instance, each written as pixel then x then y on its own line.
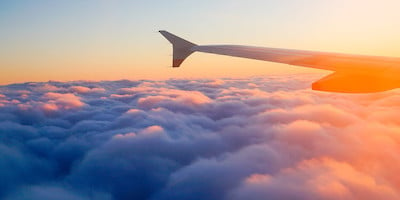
pixel 197 139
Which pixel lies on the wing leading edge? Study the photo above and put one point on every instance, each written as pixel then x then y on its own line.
pixel 352 73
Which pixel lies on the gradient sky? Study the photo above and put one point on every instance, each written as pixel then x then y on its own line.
pixel 218 127
pixel 109 40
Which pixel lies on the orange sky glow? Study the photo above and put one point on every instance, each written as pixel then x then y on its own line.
pixel 113 40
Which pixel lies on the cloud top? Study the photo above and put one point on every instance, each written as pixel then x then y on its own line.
pixel 262 137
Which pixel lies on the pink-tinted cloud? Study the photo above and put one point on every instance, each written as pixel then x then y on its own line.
pixel 317 178
pixel 48 87
pixel 124 136
pixel 257 138
pixel 181 97
pixel 59 101
pixel 85 90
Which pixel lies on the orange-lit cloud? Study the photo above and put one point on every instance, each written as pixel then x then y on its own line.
pixel 319 178
pixel 255 138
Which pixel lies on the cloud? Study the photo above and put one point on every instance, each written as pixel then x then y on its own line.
pixel 55 193
pixel 60 101
pixel 262 137
pixel 83 90
pixel 318 178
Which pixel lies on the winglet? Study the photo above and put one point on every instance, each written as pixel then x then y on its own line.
pixel 181 48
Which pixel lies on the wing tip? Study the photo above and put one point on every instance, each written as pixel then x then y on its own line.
pixel 177 62
pixel 181 47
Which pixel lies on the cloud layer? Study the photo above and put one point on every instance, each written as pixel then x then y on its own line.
pixel 263 137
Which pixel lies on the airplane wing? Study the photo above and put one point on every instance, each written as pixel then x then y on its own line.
pixel 352 73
